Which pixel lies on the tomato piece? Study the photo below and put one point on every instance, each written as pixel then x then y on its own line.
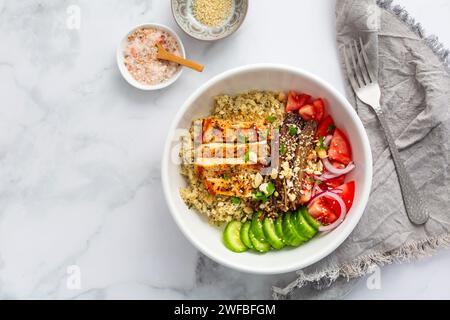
pixel 347 194
pixel 324 127
pixel 307 112
pixel 321 211
pixel 296 101
pixel 332 183
pixel 314 111
pixel 340 149
pixel 319 109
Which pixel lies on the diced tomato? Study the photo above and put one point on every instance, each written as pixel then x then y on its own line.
pixel 314 111
pixel 319 108
pixel 340 149
pixel 347 194
pixel 332 183
pixel 307 112
pixel 324 126
pixel 296 101
pixel 321 211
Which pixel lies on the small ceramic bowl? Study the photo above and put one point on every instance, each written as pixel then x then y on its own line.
pixel 182 11
pixel 124 71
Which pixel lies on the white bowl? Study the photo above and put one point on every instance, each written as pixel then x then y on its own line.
pixel 208 239
pixel 124 71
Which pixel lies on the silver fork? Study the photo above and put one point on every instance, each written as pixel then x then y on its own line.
pixel 367 89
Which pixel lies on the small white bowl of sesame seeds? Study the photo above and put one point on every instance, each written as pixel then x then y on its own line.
pixel 209 20
pixel 136 57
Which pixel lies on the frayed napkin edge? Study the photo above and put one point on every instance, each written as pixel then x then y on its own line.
pixel 364 265
pixel 432 41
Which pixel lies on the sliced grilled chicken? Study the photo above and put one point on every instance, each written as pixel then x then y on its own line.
pixel 229 187
pixel 217 130
pixel 233 151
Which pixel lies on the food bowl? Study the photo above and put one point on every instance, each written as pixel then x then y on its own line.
pixel 182 11
pixel 207 238
pixel 120 57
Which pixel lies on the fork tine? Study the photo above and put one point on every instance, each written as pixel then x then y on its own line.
pixel 366 61
pixel 355 67
pixel 350 71
pixel 361 64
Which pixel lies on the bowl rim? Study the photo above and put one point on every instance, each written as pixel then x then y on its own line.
pixel 222 36
pixel 342 236
pixel 128 77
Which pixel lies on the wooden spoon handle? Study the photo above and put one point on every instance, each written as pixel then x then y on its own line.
pixel 164 55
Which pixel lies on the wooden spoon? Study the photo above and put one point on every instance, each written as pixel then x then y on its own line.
pixel 164 55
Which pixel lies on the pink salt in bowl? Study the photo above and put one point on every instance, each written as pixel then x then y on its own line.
pixel 156 74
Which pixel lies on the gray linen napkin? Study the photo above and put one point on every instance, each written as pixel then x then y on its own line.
pixel 415 81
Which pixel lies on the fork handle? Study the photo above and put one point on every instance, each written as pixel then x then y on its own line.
pixel 414 205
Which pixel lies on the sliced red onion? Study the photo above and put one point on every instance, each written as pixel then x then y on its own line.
pixel 316 189
pixel 338 172
pixel 341 203
pixel 327 140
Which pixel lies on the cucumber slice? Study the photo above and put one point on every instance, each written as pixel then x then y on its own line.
pixel 302 226
pixel 279 228
pixel 257 227
pixel 244 234
pixel 311 221
pixel 271 235
pixel 290 233
pixel 260 246
pixel 231 237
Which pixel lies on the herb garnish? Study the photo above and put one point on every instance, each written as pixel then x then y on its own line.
pixel 235 200
pixel 293 130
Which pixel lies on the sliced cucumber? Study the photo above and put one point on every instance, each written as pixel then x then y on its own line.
pixel 257 227
pixel 279 228
pixel 271 235
pixel 244 235
pixel 231 237
pixel 302 226
pixel 290 233
pixel 260 246
pixel 311 221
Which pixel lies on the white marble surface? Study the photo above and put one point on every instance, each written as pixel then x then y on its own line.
pixel 80 150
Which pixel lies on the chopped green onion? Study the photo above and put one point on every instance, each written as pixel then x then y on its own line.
pixel 226 177
pixel 235 200
pixel 247 156
pixel 270 189
pixel 271 119
pixel 283 149
pixel 293 130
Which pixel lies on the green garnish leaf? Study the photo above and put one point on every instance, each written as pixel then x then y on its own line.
pixel 321 145
pixel 283 149
pixel 319 182
pixel 247 156
pixel 226 177
pixel 330 128
pixel 271 119
pixel 293 130
pixel 235 200
pixel 260 196
pixel 270 188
